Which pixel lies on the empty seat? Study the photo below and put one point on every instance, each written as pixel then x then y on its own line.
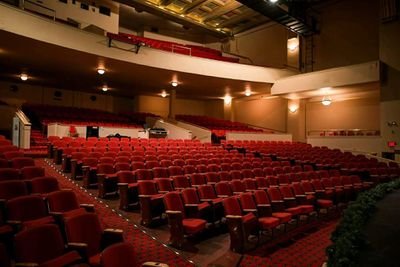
pixel 223 189
pixel 265 209
pixel 194 207
pixel 180 224
pixel 180 182
pixel 44 185
pixel 151 201
pixel 11 189
pixel 119 254
pixel 65 203
pixel 21 162
pixel 164 185
pixel 9 174
pixel 9 155
pixel 43 245
pixel 87 230
pixel 31 172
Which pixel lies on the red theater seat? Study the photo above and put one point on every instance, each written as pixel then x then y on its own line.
pixel 44 185
pixel 31 172
pixel 151 201
pixel 9 174
pixel 65 203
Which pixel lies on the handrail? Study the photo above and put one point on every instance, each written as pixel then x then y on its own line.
pixel 344 132
pixel 21 115
pixel 39 5
pixel 180 47
pixel 265 128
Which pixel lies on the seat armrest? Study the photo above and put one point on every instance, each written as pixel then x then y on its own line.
pixel 235 217
pixel 81 248
pixel 206 199
pixel 264 205
pixel 111 236
pixel 289 198
pixel 26 264
pixel 223 196
pixel 191 205
pixel 173 211
pixel 154 264
pixel 122 184
pixel 145 196
pixel 277 201
pixel 87 207
pixel 301 195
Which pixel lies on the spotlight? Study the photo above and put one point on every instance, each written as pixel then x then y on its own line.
pixel 104 88
pixel 24 76
pixel 101 71
pixel 174 84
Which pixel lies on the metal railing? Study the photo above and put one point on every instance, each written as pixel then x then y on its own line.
pixel 38 8
pixel 344 132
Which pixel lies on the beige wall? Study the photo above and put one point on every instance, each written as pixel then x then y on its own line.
pixel 348 33
pixel 214 108
pixel 268 113
pixel 296 121
pixel 265 47
pixel 45 95
pixel 350 114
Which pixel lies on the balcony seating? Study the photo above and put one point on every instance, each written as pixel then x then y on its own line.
pixel 43 245
pixel 179 224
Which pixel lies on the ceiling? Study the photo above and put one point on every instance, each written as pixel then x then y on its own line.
pixel 54 66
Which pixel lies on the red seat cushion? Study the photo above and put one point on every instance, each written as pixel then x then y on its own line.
pixel 74 212
pixel 63 260
pixel 40 221
pixel 192 226
pixel 294 211
pixel 283 217
pixel 268 222
pixel 249 217
pixel 6 229
pixel 95 260
pixel 203 205
pixel 306 208
pixel 324 203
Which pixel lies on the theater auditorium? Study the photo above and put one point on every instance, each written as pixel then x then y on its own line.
pixel 199 133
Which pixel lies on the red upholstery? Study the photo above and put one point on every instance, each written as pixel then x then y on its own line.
pixel 43 245
pixel 175 170
pixel 11 189
pixel 207 192
pixel 180 182
pixel 164 184
pixel 144 174
pixel 237 186
pixel 9 155
pixel 198 179
pixel 223 189
pixel 31 172
pixel 160 172
pixel 63 201
pixel 19 163
pixel 120 254
pixel 44 185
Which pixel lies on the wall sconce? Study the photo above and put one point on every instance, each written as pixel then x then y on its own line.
pixel 326 101
pixel 392 124
pixel 293 109
pixel 227 99
pixel 164 94
pixel 24 76
pixel 293 44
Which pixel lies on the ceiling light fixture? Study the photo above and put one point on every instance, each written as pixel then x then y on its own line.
pixel 104 88
pixel 101 71
pixel 24 76
pixel 164 94
pixel 174 84
pixel 326 101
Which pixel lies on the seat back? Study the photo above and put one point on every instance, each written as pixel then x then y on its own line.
pixel 126 177
pixel 31 172
pixel 9 174
pixel 247 201
pixel 173 201
pixel 85 228
pixel 11 189
pixel 206 192
pixel 160 172
pixel 180 181
pixel 144 174
pixel 198 179
pixel 274 194
pixel 26 208
pixel 175 170
pixel 232 206
pixel 223 188
pixel 62 201
pixel 261 197
pixel 164 184
pixel 21 162
pixel 147 187
pixel 190 196
pixel 105 168
pixel 120 254
pixel 212 177
pixel 9 155
pixel 44 185
pixel 39 244
pixel 237 186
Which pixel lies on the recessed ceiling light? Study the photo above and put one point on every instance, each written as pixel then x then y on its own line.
pixel 24 76
pixel 101 71
pixel 174 84
pixel 104 88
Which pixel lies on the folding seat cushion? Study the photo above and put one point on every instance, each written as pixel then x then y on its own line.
pixel 291 202
pixel 164 185
pixel 44 185
pixel 49 249
pixel 179 223
pixel 197 179
pixel 119 254
pixel 87 229
pixel 223 189
pixel 278 203
pixel 9 174
pixel 151 201
pixel 248 205
pixel 9 155
pixel 28 210
pixel 175 170
pixel 31 172
pixel 19 163
pixel 264 207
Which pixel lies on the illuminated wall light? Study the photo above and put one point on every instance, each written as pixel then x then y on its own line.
pixel 164 94
pixel 293 43
pixel 293 108
pixel 273 1
pixel 247 92
pixel 24 76
pixel 101 71
pixel 104 88
pixel 174 84
pixel 227 99
pixel 326 101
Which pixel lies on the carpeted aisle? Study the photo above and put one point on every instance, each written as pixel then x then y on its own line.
pixel 307 251
pixel 147 249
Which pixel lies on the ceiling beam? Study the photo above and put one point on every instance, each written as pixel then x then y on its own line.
pixel 193 6
pixel 222 10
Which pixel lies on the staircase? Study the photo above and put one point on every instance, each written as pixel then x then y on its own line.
pixel 38 145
